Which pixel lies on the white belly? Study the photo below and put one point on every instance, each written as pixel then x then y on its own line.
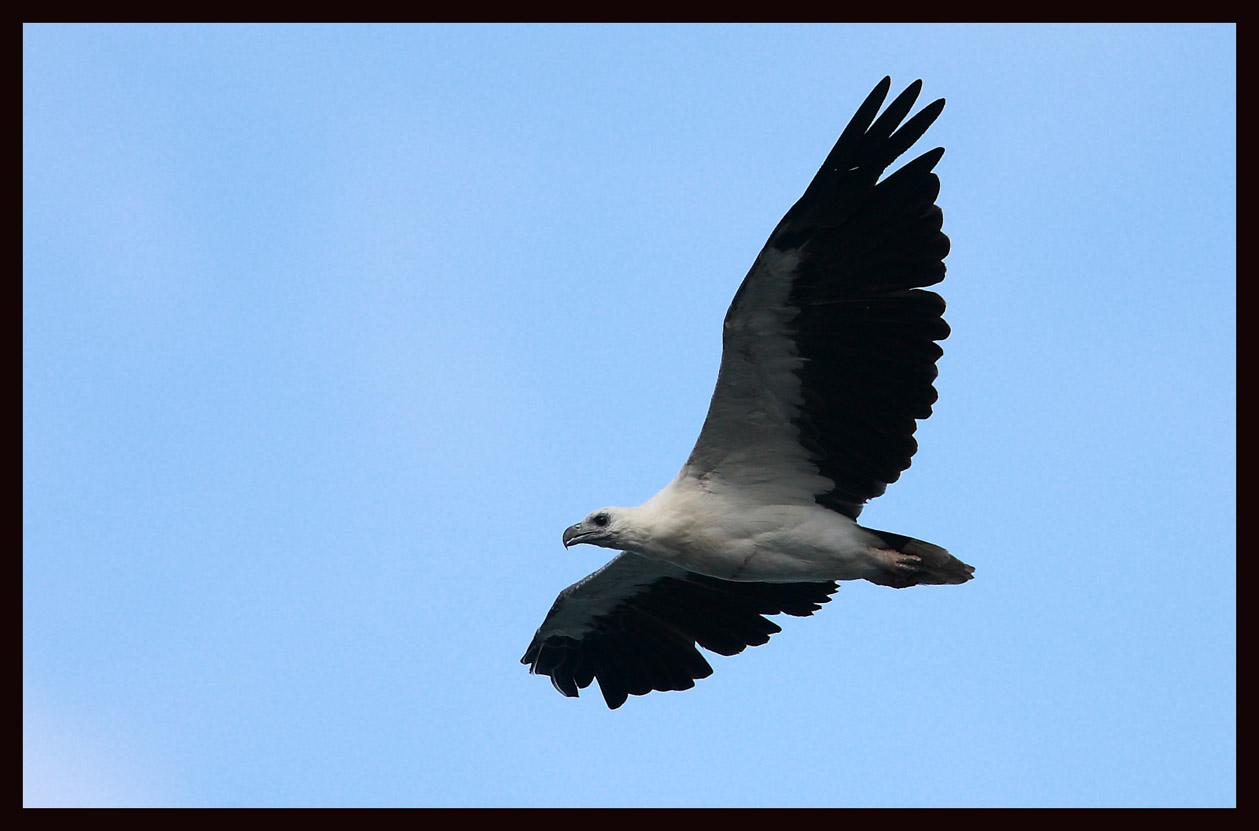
pixel 777 543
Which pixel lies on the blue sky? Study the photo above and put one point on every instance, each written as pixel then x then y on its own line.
pixel 328 333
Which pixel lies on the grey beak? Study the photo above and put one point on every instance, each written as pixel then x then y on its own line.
pixel 569 533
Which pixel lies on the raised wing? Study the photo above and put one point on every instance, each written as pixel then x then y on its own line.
pixel 634 625
pixel 829 353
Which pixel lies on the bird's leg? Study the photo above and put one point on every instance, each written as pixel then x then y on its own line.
pixel 897 560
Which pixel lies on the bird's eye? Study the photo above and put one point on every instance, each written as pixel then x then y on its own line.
pixel 600 520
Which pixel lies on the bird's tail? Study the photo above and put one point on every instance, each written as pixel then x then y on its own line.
pixel 933 566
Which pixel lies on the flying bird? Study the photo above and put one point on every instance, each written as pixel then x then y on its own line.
pixel 829 353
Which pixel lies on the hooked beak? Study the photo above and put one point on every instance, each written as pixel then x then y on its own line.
pixel 573 535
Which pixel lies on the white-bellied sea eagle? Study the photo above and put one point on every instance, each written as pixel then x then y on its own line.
pixel 828 360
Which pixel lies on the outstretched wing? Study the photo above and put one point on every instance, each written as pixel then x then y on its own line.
pixel 634 625
pixel 829 353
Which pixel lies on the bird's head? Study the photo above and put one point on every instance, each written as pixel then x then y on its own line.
pixel 602 527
